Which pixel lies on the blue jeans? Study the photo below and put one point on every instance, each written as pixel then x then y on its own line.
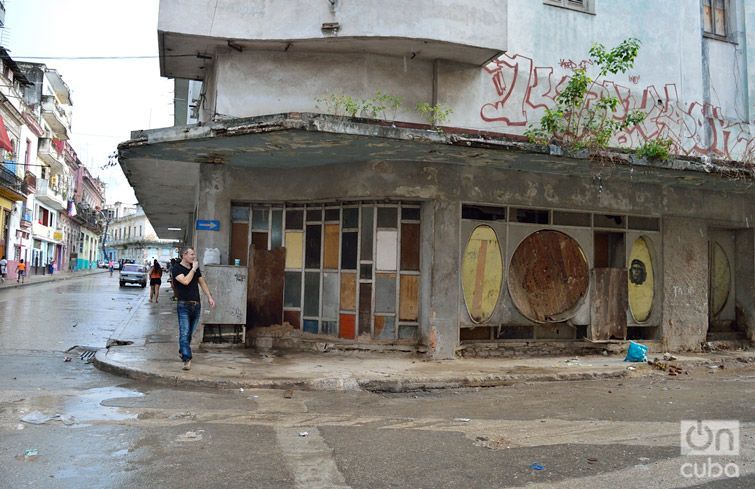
pixel 188 319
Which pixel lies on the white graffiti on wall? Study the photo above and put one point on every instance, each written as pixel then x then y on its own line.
pixel 523 91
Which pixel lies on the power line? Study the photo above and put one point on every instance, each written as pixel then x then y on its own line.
pixel 100 58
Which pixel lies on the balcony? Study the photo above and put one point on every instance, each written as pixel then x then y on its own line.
pixel 49 154
pixel 456 30
pixel 50 196
pixel 55 116
pixel 11 186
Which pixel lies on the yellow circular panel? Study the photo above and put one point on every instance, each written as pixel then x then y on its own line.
pixel 481 273
pixel 720 278
pixel 641 280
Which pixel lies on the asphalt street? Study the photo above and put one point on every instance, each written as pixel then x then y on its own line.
pixel 117 433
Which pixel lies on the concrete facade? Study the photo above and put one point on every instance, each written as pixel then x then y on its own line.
pixel 473 172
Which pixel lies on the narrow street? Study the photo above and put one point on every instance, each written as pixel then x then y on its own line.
pixel 117 433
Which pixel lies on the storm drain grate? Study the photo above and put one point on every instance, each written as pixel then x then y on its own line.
pixel 85 353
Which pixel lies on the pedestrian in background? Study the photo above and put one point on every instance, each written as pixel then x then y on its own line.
pixel 21 270
pixel 155 276
pixel 187 279
pixel 3 269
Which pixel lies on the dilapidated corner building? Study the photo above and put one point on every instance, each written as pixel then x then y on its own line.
pixel 382 230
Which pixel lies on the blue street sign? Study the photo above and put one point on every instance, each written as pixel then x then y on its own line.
pixel 207 225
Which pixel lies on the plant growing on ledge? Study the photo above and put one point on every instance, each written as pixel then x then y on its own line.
pixel 380 104
pixel 656 149
pixel 338 104
pixel 580 122
pixel 434 114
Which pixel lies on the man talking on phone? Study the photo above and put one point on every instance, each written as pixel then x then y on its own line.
pixel 187 279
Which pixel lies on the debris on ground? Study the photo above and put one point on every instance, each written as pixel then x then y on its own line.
pixel 66 359
pixel 631 367
pixel 191 436
pixel 537 467
pixel 592 460
pixel 303 434
pixel 288 394
pixel 669 357
pixel 30 454
pixel 36 417
pixel 463 420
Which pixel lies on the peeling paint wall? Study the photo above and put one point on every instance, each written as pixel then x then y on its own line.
pixel 685 291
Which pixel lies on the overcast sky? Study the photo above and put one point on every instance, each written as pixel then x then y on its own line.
pixel 110 97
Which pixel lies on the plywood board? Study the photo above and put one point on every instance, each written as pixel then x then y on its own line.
pixel 259 240
pixel 641 281
pixel 265 292
pixel 348 291
pixel 346 326
pixel 294 249
pixel 332 241
pixel 240 242
pixel 481 273
pixel 548 276
pixel 293 318
pixel 387 249
pixel 408 298
pixel 608 304
pixel 410 247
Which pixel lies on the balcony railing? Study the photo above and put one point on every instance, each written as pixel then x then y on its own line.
pixel 30 180
pixel 11 181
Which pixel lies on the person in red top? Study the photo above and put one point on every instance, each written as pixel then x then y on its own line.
pixel 155 275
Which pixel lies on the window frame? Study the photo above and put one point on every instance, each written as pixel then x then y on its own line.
pixel 588 6
pixel 728 21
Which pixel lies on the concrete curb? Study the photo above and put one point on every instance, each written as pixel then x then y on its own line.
pixel 347 383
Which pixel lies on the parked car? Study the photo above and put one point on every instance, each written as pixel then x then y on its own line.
pixel 132 273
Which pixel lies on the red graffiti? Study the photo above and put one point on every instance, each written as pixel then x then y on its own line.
pixel 523 91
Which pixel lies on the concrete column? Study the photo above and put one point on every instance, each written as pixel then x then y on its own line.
pixel 744 281
pixel 441 221
pixel 213 203
pixel 685 283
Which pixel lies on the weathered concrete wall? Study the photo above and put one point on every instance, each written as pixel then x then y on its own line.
pixel 213 203
pixel 454 21
pixel 441 314
pixel 744 281
pixel 258 83
pixel 685 289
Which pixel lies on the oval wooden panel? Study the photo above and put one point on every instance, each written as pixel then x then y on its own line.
pixel 481 273
pixel 640 281
pixel 720 279
pixel 548 276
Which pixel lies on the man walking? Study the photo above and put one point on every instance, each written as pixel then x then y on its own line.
pixel 187 278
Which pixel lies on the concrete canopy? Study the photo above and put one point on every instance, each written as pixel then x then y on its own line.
pixel 163 164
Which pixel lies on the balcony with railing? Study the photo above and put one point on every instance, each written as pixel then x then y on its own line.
pixel 50 195
pixel 50 154
pixel 26 218
pixel 55 116
pixel 30 180
pixel 12 187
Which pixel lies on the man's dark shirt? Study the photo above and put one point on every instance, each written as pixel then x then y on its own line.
pixel 186 292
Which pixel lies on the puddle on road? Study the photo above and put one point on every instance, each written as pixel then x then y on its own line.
pixel 89 406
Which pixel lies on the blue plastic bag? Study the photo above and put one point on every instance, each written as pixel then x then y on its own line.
pixel 636 352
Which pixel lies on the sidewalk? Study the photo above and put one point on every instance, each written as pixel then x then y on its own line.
pixel 10 282
pixel 153 356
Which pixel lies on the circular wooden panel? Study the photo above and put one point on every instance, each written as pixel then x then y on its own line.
pixel 720 279
pixel 641 280
pixel 548 276
pixel 481 273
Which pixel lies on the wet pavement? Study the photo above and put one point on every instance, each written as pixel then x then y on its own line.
pixel 615 432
